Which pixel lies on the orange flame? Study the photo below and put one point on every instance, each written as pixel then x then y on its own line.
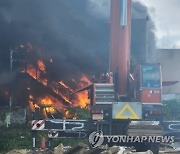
pixel 32 71
pixel 85 80
pixel 65 98
pixel 32 106
pixel 65 86
pixel 44 82
pixel 68 115
pixel 36 106
pixel 50 109
pixel 47 101
pixel 82 97
pixel 50 101
pixel 35 73
pixel 62 95
pixel 41 65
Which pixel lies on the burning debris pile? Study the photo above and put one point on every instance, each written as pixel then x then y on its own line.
pixel 44 92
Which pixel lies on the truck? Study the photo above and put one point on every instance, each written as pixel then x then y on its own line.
pixel 129 103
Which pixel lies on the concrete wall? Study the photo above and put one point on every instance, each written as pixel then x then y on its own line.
pixel 18 115
pixel 170 62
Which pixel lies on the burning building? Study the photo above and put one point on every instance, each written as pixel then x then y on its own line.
pixel 50 57
pixel 40 90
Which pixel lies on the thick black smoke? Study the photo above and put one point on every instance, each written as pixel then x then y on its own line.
pixel 75 40
pixel 64 30
pixel 143 41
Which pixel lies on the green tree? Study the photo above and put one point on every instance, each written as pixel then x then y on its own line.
pixel 171 110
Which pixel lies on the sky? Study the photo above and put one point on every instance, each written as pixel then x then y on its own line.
pixel 166 16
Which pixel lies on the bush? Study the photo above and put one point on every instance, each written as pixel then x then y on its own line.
pixel 17 137
pixel 79 113
pixel 172 110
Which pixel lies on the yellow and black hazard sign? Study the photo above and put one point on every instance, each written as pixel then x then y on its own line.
pixel 124 110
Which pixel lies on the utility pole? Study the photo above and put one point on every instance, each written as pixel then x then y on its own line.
pixel 10 98
pixel 12 60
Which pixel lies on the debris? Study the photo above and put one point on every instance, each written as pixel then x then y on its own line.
pixel 173 148
pixel 97 150
pixel 22 151
pixel 146 152
pixel 82 148
pixel 114 150
pixel 77 149
pixel 59 149
pixel 175 145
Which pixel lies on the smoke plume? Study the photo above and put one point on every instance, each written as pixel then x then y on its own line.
pixel 66 32
pixel 63 33
pixel 143 40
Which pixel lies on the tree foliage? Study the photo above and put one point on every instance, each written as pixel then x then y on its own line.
pixel 172 110
pixel 79 113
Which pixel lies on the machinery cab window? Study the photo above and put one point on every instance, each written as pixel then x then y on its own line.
pixel 150 76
